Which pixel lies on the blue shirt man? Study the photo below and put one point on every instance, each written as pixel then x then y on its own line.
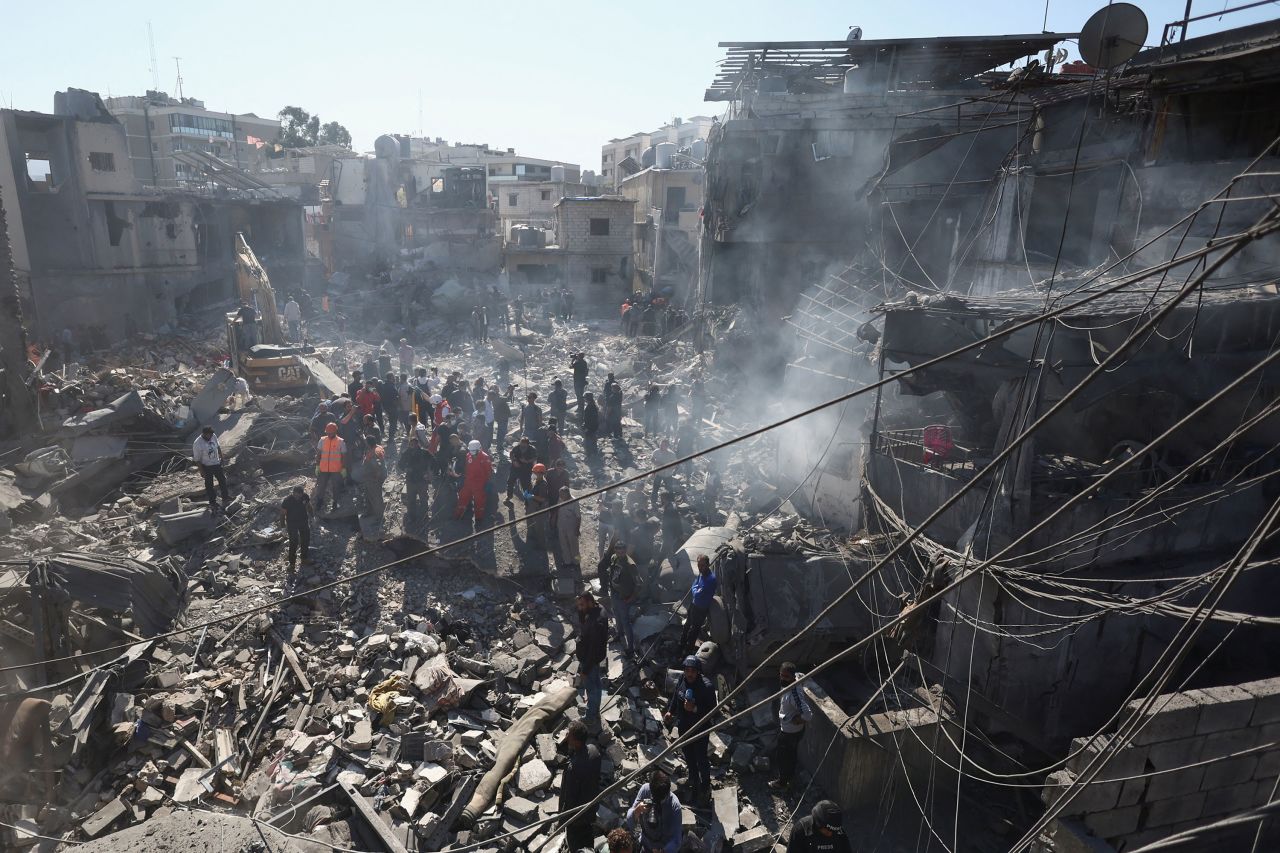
pixel 702 596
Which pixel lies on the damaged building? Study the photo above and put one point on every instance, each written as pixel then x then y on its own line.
pixel 82 225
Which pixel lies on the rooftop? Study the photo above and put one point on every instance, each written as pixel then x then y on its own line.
pixel 820 65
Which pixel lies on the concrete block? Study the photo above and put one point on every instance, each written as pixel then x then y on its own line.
pixel 1235 798
pixel 1177 784
pixel 520 810
pixel 1266 695
pixel 753 840
pixel 1223 708
pixel 1067 835
pixel 1097 797
pixel 1127 761
pixel 1175 753
pixel 1167 812
pixel 104 817
pixel 533 776
pixel 1171 716
pixel 742 755
pixel 1268 765
pixel 1115 822
pixel 1132 792
pixel 361 736
pixel 1226 743
pixel 1233 771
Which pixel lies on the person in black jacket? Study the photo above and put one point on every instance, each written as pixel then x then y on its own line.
pixel 690 704
pixel 389 395
pixel 580 370
pixel 821 831
pixel 558 400
pixel 593 639
pixel 416 463
pixel 590 423
pixel 579 784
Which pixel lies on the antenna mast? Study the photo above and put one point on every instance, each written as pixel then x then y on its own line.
pixel 177 61
pixel 155 68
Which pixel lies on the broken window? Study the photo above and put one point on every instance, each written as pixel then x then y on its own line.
pixel 599 275
pixel 599 227
pixel 115 224
pixel 437 185
pixel 513 200
pixel 39 168
pixel 545 195
pixel 675 199
pixel 102 161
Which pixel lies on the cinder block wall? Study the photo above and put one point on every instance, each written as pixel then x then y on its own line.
pixel 1178 772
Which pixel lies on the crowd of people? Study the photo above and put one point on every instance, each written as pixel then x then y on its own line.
pixel 456 438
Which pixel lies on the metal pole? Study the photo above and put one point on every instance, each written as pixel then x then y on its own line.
pixel 1186 18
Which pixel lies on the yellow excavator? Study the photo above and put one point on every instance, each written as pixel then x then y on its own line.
pixel 259 351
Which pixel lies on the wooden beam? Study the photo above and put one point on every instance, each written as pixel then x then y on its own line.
pixel 389 841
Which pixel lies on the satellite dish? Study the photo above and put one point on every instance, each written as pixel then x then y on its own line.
pixel 1113 35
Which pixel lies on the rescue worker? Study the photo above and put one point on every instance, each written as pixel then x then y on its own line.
pixel 374 474
pixel 207 454
pixel 701 597
pixel 693 699
pixel 501 417
pixel 440 409
pixel 389 395
pixel 821 831
pixel 579 785
pixel 331 467
pixel 540 497
pixel 293 318
pixel 479 468
pixel 794 714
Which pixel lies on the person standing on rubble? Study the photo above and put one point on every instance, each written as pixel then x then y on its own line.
pixel 656 816
pixel 331 467
pixel 523 457
pixel 540 498
pixel 531 417
pixel 701 597
pixel 820 831
pixel 475 482
pixel 248 325
pixel 295 512
pixel 517 312
pixel 569 529
pixel 590 425
pixel 558 401
pixel 416 463
pixel 579 785
pixel 501 410
pixel 652 401
pixel 624 590
pixel 356 385
pixel 370 401
pixel 664 455
pixel 384 362
pixel 794 714
pixel 370 366
pixel 389 396
pixel 207 454
pixel 672 524
pixel 613 392
pixel 374 474
pixel 689 707
pixel 293 319
pixel 406 356
pixel 593 643
pixel 578 363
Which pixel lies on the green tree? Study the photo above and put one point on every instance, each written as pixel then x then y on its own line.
pixel 332 133
pixel 301 129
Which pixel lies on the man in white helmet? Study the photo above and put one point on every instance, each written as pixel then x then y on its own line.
pixel 475 481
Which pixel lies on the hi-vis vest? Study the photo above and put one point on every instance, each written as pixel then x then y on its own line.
pixel 330 454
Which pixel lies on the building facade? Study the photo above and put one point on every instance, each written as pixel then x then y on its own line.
pixel 630 149
pixel 158 126
pixel 668 215
pixel 97 253
pixel 592 255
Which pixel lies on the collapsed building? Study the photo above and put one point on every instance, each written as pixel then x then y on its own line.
pixel 82 224
pixel 895 204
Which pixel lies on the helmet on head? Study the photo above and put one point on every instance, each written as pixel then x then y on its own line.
pixel 693 662
pixel 539 468
pixel 473 446
pixel 828 814
pixel 436 399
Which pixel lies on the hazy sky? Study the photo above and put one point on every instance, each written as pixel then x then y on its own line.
pixel 551 79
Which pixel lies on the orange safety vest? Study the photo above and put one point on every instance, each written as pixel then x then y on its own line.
pixel 331 448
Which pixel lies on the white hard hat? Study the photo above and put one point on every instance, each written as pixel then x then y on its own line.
pixel 436 399
pixel 473 446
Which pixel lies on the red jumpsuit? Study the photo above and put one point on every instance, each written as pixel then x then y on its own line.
pixel 474 480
